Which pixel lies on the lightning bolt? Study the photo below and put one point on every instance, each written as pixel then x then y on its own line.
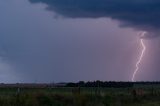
pixel 141 55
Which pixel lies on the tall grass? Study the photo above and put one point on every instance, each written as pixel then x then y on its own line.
pixel 86 97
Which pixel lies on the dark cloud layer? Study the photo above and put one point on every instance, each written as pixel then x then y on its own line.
pixel 142 15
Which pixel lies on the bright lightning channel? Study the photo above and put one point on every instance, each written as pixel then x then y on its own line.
pixel 141 56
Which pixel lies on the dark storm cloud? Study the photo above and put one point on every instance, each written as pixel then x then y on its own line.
pixel 139 14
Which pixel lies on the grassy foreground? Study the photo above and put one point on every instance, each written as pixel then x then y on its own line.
pixel 86 97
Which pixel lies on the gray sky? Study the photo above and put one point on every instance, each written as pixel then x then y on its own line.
pixel 54 41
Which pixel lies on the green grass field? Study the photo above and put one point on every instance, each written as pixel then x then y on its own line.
pixel 62 96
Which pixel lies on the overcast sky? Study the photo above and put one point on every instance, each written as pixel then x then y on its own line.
pixel 73 40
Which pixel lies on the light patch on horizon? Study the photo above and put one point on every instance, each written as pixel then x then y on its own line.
pixel 7 74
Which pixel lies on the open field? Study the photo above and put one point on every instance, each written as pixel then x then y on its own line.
pixel 138 95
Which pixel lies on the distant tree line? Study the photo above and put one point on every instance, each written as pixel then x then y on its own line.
pixel 100 84
pixel 111 84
